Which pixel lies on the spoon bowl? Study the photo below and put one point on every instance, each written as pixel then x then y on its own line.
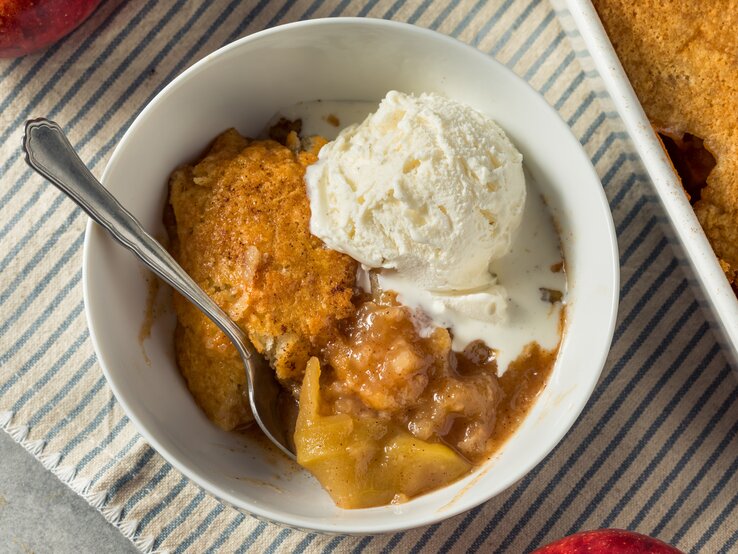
pixel 49 153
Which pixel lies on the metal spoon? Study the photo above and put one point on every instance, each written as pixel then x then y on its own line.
pixel 49 153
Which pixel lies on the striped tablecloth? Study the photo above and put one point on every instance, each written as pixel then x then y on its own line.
pixel 655 449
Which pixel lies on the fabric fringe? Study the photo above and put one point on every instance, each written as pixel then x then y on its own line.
pixel 50 461
pixel 18 432
pixel 129 528
pixel 113 513
pixel 5 418
pixel 96 499
pixel 145 544
pixel 35 447
pixel 80 485
pixel 66 474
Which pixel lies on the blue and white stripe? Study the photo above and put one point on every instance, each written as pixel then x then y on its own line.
pixel 655 449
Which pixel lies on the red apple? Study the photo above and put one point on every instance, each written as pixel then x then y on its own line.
pixel 607 541
pixel 29 25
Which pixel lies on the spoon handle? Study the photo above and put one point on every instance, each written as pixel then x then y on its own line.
pixel 49 152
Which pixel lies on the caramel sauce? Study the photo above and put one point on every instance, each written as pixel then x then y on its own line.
pixel 385 365
pixel 691 160
pixel 152 290
pixel 150 313
pixel 521 384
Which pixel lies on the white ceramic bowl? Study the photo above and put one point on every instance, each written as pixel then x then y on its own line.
pixel 243 85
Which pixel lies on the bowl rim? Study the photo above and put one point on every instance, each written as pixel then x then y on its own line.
pixel 393 524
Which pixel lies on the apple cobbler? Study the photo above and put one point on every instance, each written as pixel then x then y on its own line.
pixel 387 409
pixel 682 60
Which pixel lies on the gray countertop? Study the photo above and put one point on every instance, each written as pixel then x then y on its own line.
pixel 39 514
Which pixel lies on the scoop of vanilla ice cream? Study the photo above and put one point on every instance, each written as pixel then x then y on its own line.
pixel 427 186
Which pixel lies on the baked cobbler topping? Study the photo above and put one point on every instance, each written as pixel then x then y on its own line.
pixel 681 61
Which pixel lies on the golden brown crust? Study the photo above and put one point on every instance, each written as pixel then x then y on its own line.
pixel 682 60
pixel 242 232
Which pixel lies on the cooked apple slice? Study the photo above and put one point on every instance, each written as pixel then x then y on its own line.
pixel 364 462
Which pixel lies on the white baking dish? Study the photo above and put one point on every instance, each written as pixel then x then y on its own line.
pixel 713 288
